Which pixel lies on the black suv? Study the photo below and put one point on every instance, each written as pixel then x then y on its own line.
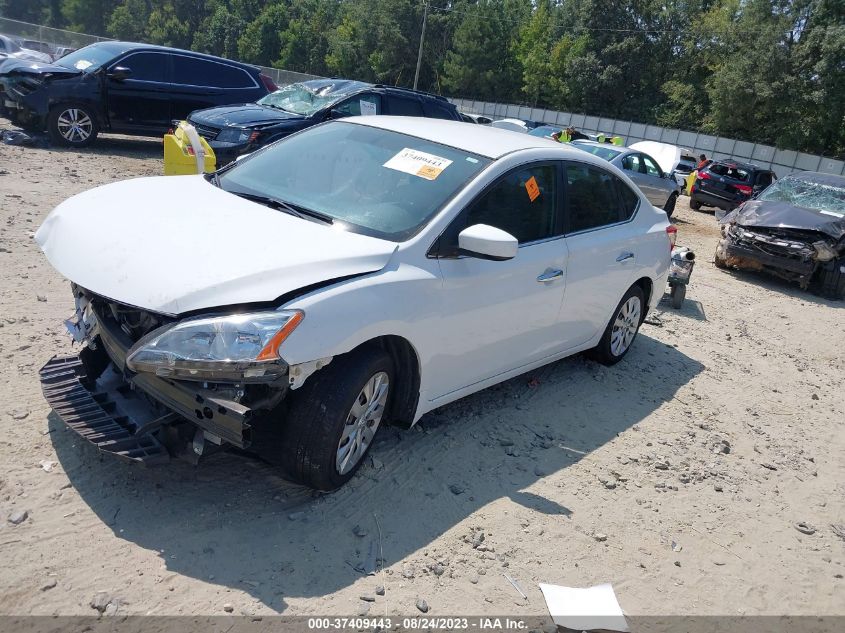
pixel 121 87
pixel 240 129
pixel 727 184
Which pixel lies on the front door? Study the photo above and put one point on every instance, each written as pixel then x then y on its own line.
pixel 499 316
pixel 142 101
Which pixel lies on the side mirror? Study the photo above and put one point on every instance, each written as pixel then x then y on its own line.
pixel 487 242
pixel 119 73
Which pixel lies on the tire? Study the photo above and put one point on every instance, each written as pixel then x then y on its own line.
pixel 318 419
pixel 607 351
pixel 72 125
pixel 669 207
pixel 678 294
pixel 694 204
pixel 830 280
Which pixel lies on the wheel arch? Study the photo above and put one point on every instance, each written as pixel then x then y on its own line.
pixel 407 379
pixel 647 286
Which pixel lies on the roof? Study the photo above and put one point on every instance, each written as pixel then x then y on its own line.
pixel 478 139
pixel 121 47
pixel 819 178
pixel 618 148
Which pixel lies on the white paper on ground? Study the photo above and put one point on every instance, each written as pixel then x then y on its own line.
pixel 593 608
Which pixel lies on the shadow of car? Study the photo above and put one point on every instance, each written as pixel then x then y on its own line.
pixel 235 523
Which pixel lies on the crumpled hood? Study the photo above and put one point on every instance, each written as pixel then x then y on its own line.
pixel 13 65
pixel 175 244
pixel 243 115
pixel 776 214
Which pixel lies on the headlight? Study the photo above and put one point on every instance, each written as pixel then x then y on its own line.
pixel 235 135
pixel 229 348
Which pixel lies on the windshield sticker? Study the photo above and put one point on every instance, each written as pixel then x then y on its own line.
pixel 82 64
pixel 418 163
pixel 532 188
pixel 368 108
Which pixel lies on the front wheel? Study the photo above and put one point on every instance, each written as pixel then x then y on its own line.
pixel 669 207
pixel 333 418
pixel 72 125
pixel 622 329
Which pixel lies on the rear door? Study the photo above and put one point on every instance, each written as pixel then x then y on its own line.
pixel 634 166
pixel 141 102
pixel 603 246
pixel 654 183
pixel 203 83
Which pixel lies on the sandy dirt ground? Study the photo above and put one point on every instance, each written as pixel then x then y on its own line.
pixel 680 475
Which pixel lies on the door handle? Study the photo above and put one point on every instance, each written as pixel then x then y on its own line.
pixel 624 257
pixel 550 274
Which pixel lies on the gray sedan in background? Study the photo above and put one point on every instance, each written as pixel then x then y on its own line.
pixel 660 188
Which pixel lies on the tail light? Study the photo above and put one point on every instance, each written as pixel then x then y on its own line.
pixel 703 175
pixel 268 83
pixel 672 234
pixel 745 190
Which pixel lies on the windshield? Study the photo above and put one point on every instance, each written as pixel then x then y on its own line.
pixel 810 195
pixel 544 130
pixel 88 58
pixel 598 150
pixel 10 46
pixel 300 99
pixel 374 181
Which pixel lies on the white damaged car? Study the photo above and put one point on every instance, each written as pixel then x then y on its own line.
pixel 360 272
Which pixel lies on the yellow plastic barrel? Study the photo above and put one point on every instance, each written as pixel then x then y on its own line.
pixel 182 156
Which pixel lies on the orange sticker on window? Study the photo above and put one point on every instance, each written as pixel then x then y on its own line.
pixel 532 188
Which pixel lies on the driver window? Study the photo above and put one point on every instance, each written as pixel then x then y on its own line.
pixel 522 203
pixel 363 104
pixel 632 162
pixel 651 167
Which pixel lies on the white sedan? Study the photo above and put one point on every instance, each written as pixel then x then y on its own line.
pixel 360 272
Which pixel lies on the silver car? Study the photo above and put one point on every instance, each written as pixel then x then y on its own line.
pixel 660 188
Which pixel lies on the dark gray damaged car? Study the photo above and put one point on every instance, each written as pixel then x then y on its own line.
pixel 794 229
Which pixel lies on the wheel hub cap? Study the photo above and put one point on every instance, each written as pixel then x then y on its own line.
pixel 362 422
pixel 625 326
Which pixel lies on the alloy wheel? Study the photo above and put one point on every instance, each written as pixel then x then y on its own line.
pixel 75 125
pixel 625 326
pixel 362 422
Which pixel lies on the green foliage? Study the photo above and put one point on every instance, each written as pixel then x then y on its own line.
pixel 771 71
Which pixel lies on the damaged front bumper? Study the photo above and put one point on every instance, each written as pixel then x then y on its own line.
pixel 141 417
pixel 786 254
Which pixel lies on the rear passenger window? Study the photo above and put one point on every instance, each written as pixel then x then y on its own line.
pixel 630 200
pixel 397 106
pixel 192 71
pixel 146 66
pixel 436 110
pixel 592 198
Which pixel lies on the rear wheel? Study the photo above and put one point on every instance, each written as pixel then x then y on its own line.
pixel 694 204
pixel 72 125
pixel 669 207
pixel 622 329
pixel 333 418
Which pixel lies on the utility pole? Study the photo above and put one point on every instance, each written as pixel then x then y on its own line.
pixel 422 39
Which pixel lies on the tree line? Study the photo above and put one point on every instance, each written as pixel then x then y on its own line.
pixel 769 71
